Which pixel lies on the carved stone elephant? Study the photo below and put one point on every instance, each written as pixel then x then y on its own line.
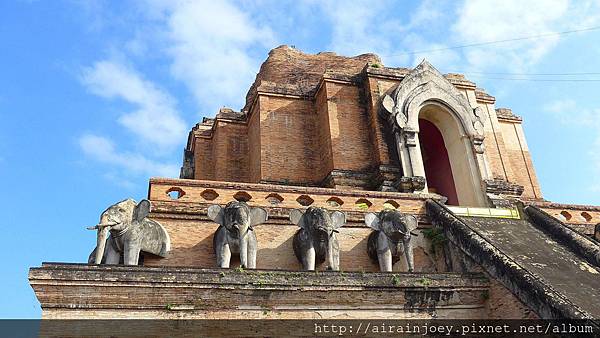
pixel 131 231
pixel 235 233
pixel 316 239
pixel 391 238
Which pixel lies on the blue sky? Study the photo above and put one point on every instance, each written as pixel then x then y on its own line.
pixel 98 96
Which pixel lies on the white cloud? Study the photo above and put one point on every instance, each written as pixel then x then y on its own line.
pixel 442 60
pixel 569 113
pixel 493 20
pixel 155 118
pixel 560 106
pixel 362 26
pixel 210 44
pixel 353 31
pixel 103 150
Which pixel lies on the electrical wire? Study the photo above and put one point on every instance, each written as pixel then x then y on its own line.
pixel 485 43
pixel 536 80
pixel 528 74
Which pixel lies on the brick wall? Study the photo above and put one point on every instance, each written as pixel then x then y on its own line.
pixel 191 231
pixel 495 149
pixel 502 304
pixel 375 89
pixel 324 132
pixel 254 145
pixel 290 150
pixel 230 152
pixel 309 116
pixel 192 245
pixel 349 128
pixel 519 159
pixel 203 159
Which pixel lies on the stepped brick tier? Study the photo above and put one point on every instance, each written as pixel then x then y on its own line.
pixel 323 144
pixel 333 105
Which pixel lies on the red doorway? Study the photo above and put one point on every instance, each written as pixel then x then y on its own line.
pixel 436 162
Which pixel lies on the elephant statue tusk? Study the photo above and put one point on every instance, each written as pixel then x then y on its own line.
pixel 124 231
pixel 101 226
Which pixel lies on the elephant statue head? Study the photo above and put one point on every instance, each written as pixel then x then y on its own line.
pixel 235 233
pixel 391 238
pixel 130 232
pixel 316 239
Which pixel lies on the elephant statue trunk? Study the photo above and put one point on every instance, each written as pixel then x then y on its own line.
pixel 103 230
pixel 100 242
pixel 131 232
pixel 235 233
pixel 391 238
pixel 316 240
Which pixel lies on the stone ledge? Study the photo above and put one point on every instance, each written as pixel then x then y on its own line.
pixel 258 278
pixel 554 205
pixel 507 114
pixel 159 181
pixel 484 97
pixel 79 287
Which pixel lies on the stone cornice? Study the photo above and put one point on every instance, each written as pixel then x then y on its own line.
pixel 507 114
pixel 554 205
pixel 291 189
pixel 483 97
pixel 206 130
pixel 86 287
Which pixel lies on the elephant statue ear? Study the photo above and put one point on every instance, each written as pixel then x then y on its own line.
pixel 372 221
pixel 411 222
pixel 338 218
pixel 296 217
pixel 215 213
pixel 141 211
pixel 258 216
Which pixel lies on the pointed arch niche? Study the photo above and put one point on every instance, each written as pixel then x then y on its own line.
pixel 452 130
pixel 448 160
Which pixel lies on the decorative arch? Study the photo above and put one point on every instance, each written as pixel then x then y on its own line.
pixel 424 86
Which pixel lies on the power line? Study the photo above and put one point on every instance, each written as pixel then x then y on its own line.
pixel 478 44
pixel 537 80
pixel 527 74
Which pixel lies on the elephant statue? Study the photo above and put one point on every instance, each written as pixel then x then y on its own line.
pixel 316 238
pixel 391 238
pixel 235 233
pixel 131 231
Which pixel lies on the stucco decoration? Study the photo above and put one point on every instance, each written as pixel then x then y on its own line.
pixel 131 232
pixel 316 240
pixel 425 85
pixel 235 233
pixel 391 238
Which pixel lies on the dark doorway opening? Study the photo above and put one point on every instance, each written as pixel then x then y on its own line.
pixel 436 162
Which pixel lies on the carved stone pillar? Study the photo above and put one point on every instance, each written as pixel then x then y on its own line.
pixel 482 164
pixel 414 152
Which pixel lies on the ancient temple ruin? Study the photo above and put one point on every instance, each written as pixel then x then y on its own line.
pixel 326 143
